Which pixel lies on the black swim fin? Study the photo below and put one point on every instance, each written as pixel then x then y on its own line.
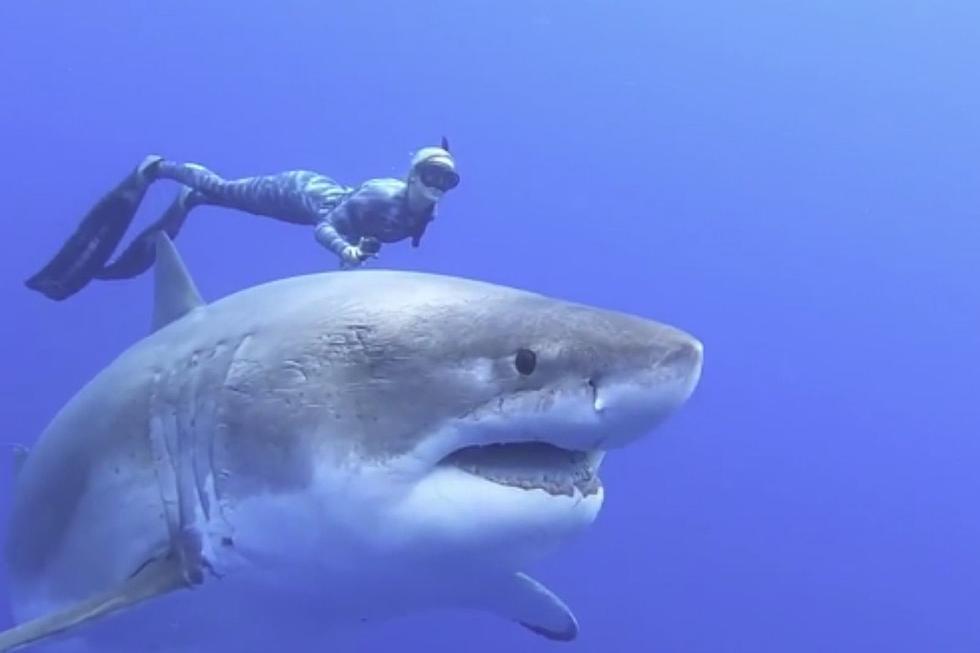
pixel 92 243
pixel 141 253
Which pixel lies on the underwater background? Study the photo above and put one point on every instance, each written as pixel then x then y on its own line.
pixel 796 184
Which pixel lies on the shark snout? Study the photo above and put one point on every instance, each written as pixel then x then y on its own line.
pixel 685 356
pixel 636 399
pixel 682 364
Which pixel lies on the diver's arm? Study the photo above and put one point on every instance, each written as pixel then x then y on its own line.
pixel 327 235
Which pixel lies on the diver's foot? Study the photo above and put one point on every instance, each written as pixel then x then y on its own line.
pixel 148 167
pixel 187 198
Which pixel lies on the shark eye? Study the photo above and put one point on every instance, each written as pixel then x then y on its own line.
pixel 525 361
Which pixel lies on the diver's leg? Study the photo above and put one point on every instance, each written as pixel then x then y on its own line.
pixel 290 196
pixel 285 196
pixel 141 253
pixel 95 238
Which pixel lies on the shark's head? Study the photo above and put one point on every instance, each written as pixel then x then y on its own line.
pixel 472 418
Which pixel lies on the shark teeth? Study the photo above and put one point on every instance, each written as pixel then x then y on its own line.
pixel 531 466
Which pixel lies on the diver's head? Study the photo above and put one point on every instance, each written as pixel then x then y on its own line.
pixel 433 173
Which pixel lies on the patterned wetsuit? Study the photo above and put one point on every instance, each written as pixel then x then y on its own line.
pixel 341 216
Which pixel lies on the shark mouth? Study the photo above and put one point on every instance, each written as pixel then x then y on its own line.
pixel 531 466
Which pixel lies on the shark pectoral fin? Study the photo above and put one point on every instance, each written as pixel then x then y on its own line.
pixel 175 293
pixel 522 599
pixel 156 578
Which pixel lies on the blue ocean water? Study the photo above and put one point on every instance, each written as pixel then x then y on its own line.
pixel 794 183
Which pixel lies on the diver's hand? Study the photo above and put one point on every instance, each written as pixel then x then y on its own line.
pixel 352 256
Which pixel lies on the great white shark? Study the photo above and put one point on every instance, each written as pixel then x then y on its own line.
pixel 328 448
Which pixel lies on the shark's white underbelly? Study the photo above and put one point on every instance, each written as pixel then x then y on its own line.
pixel 302 564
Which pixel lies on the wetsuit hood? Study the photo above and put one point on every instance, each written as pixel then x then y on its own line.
pixel 433 171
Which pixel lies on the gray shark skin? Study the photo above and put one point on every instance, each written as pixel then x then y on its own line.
pixel 328 449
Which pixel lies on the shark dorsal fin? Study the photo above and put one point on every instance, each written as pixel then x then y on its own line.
pixel 20 457
pixel 175 294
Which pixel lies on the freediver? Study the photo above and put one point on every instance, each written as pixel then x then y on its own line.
pixel 351 222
